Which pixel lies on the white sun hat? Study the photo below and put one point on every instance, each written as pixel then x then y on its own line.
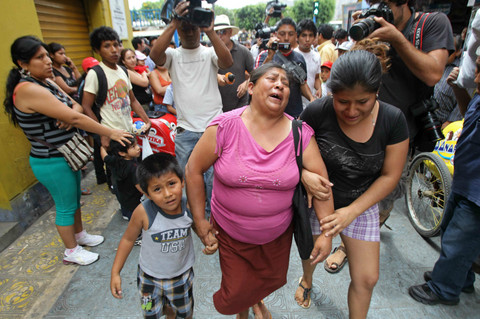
pixel 223 22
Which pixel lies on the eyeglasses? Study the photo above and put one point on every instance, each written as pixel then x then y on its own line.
pixel 221 32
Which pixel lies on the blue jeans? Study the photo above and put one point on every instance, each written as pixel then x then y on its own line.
pixel 184 143
pixel 460 247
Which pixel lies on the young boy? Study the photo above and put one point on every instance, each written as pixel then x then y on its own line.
pixel 120 100
pixel 122 161
pixel 165 273
pixel 325 75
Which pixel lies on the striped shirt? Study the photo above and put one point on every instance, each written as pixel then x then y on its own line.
pixel 43 127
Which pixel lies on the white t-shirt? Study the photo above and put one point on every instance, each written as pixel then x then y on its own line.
pixel 115 112
pixel 312 59
pixel 196 95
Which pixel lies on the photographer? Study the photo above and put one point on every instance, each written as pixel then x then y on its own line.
pixel 279 49
pixel 193 69
pixel 414 71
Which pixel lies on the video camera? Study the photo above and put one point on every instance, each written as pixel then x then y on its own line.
pixel 277 8
pixel 196 14
pixel 363 28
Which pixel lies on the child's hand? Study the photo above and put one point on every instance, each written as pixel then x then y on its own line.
pixel 212 248
pixel 116 286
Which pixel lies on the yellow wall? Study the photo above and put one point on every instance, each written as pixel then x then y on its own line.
pixel 19 18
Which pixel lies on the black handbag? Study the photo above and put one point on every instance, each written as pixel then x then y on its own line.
pixel 302 232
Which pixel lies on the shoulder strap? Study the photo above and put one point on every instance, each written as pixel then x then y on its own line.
pixel 297 141
pixel 282 57
pixel 124 70
pixel 418 32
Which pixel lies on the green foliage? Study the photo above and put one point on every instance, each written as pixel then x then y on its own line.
pixel 248 16
pixel 327 10
pixel 152 5
pixel 231 15
pixel 303 9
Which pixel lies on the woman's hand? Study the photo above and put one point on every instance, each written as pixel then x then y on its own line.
pixel 242 89
pixel 316 186
pixel 321 249
pixel 64 125
pixel 209 250
pixel 453 76
pixel 206 233
pixel 333 224
pixel 116 286
pixel 120 136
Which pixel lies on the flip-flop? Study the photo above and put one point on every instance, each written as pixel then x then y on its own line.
pixel 339 267
pixel 86 191
pixel 306 294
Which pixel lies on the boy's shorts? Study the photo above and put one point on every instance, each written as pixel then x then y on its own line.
pixel 176 292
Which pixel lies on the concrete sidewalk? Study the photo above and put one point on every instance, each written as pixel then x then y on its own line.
pixel 35 284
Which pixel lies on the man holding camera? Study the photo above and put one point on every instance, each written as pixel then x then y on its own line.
pixel 279 49
pixel 193 69
pixel 420 45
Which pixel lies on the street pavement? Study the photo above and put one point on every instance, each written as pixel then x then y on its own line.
pixel 34 283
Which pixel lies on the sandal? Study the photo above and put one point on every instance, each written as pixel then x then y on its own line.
pixel 306 294
pixel 86 191
pixel 339 266
pixel 256 305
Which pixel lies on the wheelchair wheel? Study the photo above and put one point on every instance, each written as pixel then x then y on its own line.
pixel 428 187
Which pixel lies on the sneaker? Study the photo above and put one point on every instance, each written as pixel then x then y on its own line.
pixel 423 293
pixel 80 257
pixel 125 217
pixel 90 240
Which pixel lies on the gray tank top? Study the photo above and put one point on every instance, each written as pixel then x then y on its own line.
pixel 167 245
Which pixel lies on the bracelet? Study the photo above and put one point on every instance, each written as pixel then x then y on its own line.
pixel 175 16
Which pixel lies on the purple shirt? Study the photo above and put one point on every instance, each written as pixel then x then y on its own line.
pixel 253 188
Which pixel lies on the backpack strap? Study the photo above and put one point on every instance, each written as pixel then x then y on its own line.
pixel 102 85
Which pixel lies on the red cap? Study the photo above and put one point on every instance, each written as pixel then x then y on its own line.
pixel 327 64
pixel 89 63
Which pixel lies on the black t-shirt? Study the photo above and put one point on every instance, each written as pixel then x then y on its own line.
pixel 124 178
pixel 352 167
pixel 400 87
pixel 295 105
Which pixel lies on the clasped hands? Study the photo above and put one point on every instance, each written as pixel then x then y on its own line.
pixel 206 233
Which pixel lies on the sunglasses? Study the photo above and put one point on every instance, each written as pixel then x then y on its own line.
pixel 221 32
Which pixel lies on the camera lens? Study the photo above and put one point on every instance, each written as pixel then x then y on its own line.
pixel 432 127
pixel 362 29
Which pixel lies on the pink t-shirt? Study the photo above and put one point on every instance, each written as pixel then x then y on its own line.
pixel 253 188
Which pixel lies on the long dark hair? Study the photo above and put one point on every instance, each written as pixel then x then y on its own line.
pixel 122 56
pixel 356 68
pixel 23 49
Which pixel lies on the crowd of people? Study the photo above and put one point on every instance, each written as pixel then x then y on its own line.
pixel 234 172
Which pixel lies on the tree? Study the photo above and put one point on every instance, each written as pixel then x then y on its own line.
pixel 248 16
pixel 152 4
pixel 231 15
pixel 303 9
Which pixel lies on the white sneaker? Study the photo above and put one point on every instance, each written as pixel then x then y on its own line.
pixel 81 257
pixel 90 240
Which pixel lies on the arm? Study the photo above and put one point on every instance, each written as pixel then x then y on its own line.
pixel 103 153
pixel 138 222
pixel 157 54
pixel 171 109
pixel 428 67
pixel 203 156
pixel 306 91
pixel 138 79
pixel 156 84
pixel 34 98
pixel 318 86
pixel 225 59
pixel 61 83
pixel 87 102
pixel 461 94
pixel 73 67
pixel 312 161
pixel 395 158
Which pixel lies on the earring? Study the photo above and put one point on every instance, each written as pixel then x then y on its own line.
pixel 24 73
pixel 376 95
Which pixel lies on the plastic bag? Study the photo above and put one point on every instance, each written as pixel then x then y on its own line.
pixel 146 148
